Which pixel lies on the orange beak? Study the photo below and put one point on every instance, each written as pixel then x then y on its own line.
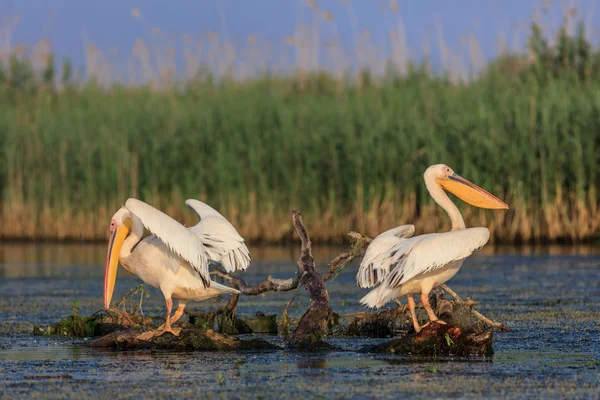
pixel 115 243
pixel 471 193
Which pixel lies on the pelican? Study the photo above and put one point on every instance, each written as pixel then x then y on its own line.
pixel 173 258
pixel 403 265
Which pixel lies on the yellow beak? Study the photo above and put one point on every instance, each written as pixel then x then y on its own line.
pixel 115 243
pixel 471 193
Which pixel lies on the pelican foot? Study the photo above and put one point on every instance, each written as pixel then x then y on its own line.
pixel 158 332
pixel 437 321
pixel 174 331
pixel 162 329
pixel 146 335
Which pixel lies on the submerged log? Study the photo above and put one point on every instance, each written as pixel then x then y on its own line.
pixel 377 325
pixel 439 340
pixel 188 339
pixel 97 324
pixel 233 325
pixel 461 335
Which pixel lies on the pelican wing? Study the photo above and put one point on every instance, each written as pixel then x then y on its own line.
pixel 222 241
pixel 203 210
pixel 174 235
pixel 376 262
pixel 427 253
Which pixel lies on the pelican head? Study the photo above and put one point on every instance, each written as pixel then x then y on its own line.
pixel 449 180
pixel 120 226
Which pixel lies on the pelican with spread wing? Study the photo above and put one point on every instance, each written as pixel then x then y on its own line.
pixel 403 265
pixel 173 258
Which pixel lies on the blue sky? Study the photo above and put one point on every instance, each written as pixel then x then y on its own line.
pixel 109 24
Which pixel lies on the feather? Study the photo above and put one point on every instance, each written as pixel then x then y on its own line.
pixel 222 241
pixel 377 259
pixel 174 235
pixel 202 209
pixel 396 260
pixel 427 253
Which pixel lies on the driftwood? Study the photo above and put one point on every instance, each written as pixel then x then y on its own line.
pixel 276 285
pixel 358 247
pixel 97 324
pixel 232 325
pixel 312 325
pixel 188 339
pixel 378 324
pixel 359 244
pixel 461 335
pixel 476 313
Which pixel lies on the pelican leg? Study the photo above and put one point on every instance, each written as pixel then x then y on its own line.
pixel 166 327
pixel 430 313
pixel 413 314
pixel 179 312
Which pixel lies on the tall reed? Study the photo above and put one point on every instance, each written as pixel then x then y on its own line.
pixel 349 153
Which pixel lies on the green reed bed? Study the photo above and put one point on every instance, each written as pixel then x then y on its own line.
pixel 348 153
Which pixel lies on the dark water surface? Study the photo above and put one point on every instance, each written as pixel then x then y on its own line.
pixel 549 296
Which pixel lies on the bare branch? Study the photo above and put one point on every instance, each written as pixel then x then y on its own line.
pixel 306 263
pixel 488 321
pixel 476 313
pixel 285 319
pixel 359 246
pixel 311 326
pixel 276 285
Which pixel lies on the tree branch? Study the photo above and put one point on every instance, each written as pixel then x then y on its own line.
pixel 359 246
pixel 276 285
pixel 311 326
pixel 476 313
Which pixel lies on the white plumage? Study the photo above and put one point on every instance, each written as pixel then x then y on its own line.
pixel 175 236
pixel 405 265
pixel 403 259
pixel 173 258
pixel 376 262
pixel 222 242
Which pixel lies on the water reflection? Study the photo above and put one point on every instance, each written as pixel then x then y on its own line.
pixel 43 259
pixel 55 259
pixel 311 362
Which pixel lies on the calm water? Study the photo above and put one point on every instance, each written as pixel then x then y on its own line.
pixel 550 297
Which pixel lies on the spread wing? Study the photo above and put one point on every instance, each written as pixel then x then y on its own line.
pixel 427 253
pixel 222 241
pixel 376 262
pixel 174 235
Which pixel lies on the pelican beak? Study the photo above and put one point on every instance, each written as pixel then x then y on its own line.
pixel 471 193
pixel 117 237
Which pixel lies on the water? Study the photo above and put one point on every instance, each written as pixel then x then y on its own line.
pixel 550 297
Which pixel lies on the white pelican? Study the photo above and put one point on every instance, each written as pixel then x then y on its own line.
pixel 173 258
pixel 406 265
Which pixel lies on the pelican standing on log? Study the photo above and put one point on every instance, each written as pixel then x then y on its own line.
pixel 173 258
pixel 405 265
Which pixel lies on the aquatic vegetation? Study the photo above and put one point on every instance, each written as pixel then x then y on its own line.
pixel 449 340
pixel 526 129
pixel 432 369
